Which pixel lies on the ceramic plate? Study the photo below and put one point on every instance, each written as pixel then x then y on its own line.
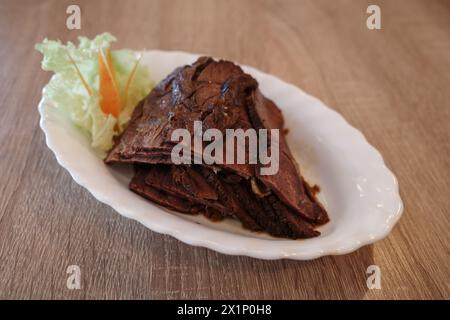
pixel 359 192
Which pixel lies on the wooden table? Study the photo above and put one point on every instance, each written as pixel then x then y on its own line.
pixel 392 84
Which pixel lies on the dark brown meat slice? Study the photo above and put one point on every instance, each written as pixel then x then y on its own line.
pixel 184 182
pixel 230 199
pixel 287 183
pixel 209 91
pixel 228 195
pixel 272 215
pixel 201 186
pixel 180 179
pixel 222 96
pixel 139 186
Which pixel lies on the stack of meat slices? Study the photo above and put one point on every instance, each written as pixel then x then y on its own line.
pixel 222 96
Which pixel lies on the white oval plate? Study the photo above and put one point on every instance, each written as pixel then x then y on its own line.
pixel 357 189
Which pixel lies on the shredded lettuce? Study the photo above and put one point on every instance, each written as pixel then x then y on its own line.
pixel 67 91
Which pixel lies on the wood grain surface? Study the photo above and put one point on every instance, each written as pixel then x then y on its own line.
pixel 392 84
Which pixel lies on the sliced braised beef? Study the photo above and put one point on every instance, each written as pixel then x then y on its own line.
pixel 287 183
pixel 222 96
pixel 198 189
pixel 139 186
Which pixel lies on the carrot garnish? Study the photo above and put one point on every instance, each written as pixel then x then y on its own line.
pixel 109 93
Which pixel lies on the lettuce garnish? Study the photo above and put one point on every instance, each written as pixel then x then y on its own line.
pixel 96 87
